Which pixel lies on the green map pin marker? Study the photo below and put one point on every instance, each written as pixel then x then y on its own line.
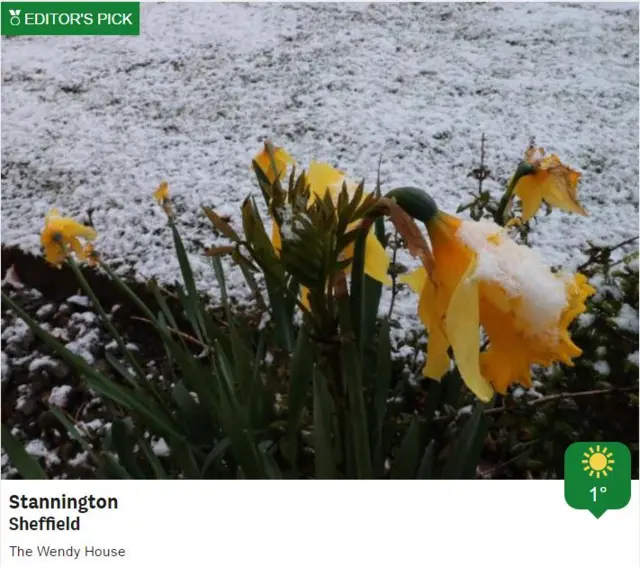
pixel 597 476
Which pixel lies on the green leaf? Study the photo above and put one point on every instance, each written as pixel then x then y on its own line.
pixel 468 446
pixel 351 368
pixel 151 457
pixel 358 297
pixel 323 411
pixel 381 382
pixel 408 455
pixel 425 469
pixel 301 370
pixel 122 444
pixel 113 468
pixel 27 466
pixel 72 430
pixel 219 449
pixel 236 424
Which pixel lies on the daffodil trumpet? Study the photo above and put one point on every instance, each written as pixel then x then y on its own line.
pixel 483 280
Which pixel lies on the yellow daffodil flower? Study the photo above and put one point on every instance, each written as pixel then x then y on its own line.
pixel 482 278
pixel 61 234
pixel 281 158
pixel 161 194
pixel 552 182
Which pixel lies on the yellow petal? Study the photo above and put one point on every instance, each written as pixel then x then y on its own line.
pixel 77 248
pixel 281 158
pixel 528 189
pixel 73 229
pixel 162 192
pixel 429 310
pixel 321 176
pixel 415 280
pixel 304 297
pixel 561 190
pixel 462 325
pixel 376 260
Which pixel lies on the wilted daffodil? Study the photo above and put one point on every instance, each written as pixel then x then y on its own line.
pixel 61 235
pixel 551 181
pixel 482 278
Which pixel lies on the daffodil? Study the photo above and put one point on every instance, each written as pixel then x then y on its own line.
pixel 61 235
pixel 551 181
pixel 281 158
pixel 482 279
pixel 161 194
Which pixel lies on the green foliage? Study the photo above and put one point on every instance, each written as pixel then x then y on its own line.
pixel 319 396
pixel 319 410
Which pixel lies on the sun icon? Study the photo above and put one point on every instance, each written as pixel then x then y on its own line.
pixel 598 461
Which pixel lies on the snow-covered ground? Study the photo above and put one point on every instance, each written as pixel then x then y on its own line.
pixel 99 122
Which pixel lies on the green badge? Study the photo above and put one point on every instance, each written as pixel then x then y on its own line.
pixel 597 476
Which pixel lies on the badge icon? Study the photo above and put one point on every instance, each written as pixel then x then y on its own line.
pixel 14 19
pixel 597 476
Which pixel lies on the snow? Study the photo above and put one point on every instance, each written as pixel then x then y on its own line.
pixel 98 122
pixel 58 395
pixel 160 448
pixel 6 367
pixel 520 271
pixel 17 332
pixel 627 319
pixel 85 345
pixel 79 300
pixel 45 311
pixel 602 367
pixel 37 448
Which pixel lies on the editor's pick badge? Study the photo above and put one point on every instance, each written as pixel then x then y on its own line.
pixel 597 476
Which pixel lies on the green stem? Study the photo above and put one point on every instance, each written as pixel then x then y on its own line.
pixel 523 169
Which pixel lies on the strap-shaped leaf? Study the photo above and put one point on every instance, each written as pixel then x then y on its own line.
pixel 408 455
pixel 27 466
pixel 468 446
pixel 323 411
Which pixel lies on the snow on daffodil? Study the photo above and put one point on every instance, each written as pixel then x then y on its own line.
pixel 61 234
pixel 482 278
pixel 551 181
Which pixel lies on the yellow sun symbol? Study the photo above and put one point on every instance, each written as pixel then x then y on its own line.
pixel 598 461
